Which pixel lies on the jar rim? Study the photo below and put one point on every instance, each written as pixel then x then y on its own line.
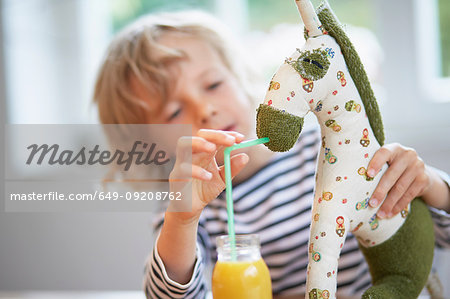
pixel 241 240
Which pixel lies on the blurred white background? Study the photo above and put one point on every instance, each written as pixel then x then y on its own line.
pixel 51 50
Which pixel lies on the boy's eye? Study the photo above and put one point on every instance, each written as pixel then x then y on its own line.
pixel 213 85
pixel 175 114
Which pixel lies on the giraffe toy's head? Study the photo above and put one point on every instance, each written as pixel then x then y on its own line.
pixel 314 78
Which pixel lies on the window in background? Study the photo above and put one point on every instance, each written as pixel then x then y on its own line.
pixel 264 14
pixel 52 49
pixel 444 25
pixel 432 20
pixel 276 30
pixel 123 12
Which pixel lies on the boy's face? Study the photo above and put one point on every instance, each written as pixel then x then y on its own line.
pixel 205 93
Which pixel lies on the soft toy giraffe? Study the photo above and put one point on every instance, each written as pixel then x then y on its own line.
pixel 326 76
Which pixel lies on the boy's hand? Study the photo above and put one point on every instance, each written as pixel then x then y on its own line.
pixel 405 179
pixel 207 178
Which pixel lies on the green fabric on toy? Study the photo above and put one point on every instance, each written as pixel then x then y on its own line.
pixel 356 70
pixel 327 77
pixel 311 65
pixel 282 141
pixel 399 277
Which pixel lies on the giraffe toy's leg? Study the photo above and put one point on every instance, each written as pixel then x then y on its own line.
pixel 400 266
pixel 328 232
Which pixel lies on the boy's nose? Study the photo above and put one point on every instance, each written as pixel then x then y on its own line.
pixel 206 113
pixel 203 108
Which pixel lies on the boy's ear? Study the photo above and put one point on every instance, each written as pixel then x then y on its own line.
pixel 281 127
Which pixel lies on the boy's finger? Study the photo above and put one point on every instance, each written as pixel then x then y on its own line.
pixel 413 190
pixel 217 137
pixel 188 170
pixel 393 207
pixel 188 145
pixel 383 155
pixel 184 148
pixel 395 194
pixel 401 180
pixel 201 173
pixel 200 145
pixel 401 204
pixel 234 133
pixel 387 181
pixel 239 137
pixel 237 163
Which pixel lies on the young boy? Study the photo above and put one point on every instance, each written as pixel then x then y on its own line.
pixel 180 68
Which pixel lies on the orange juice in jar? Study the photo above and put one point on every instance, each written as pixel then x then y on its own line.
pixel 242 273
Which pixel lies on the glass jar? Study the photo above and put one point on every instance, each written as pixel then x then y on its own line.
pixel 240 273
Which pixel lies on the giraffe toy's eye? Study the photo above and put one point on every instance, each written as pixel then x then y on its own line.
pixel 311 65
pixel 313 62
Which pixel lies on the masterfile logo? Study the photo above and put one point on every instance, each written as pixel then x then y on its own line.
pixel 53 168
pixel 53 155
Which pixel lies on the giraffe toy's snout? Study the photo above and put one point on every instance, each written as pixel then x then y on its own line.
pixel 281 127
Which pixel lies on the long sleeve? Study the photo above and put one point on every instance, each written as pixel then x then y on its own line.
pixel 441 222
pixel 157 284
pixel 441 219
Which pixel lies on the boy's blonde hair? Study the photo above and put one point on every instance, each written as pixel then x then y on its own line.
pixel 135 52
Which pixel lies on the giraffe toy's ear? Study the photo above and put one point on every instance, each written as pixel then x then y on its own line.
pixel 312 23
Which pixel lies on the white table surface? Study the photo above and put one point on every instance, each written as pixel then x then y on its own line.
pixel 94 295
pixel 73 295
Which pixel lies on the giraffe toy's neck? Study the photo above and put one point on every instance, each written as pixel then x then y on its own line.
pixel 339 109
pixel 341 117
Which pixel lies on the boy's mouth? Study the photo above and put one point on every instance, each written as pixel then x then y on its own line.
pixel 229 128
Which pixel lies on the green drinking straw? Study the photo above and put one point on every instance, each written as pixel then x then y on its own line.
pixel 230 212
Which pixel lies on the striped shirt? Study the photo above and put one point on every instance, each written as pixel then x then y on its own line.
pixel 276 204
